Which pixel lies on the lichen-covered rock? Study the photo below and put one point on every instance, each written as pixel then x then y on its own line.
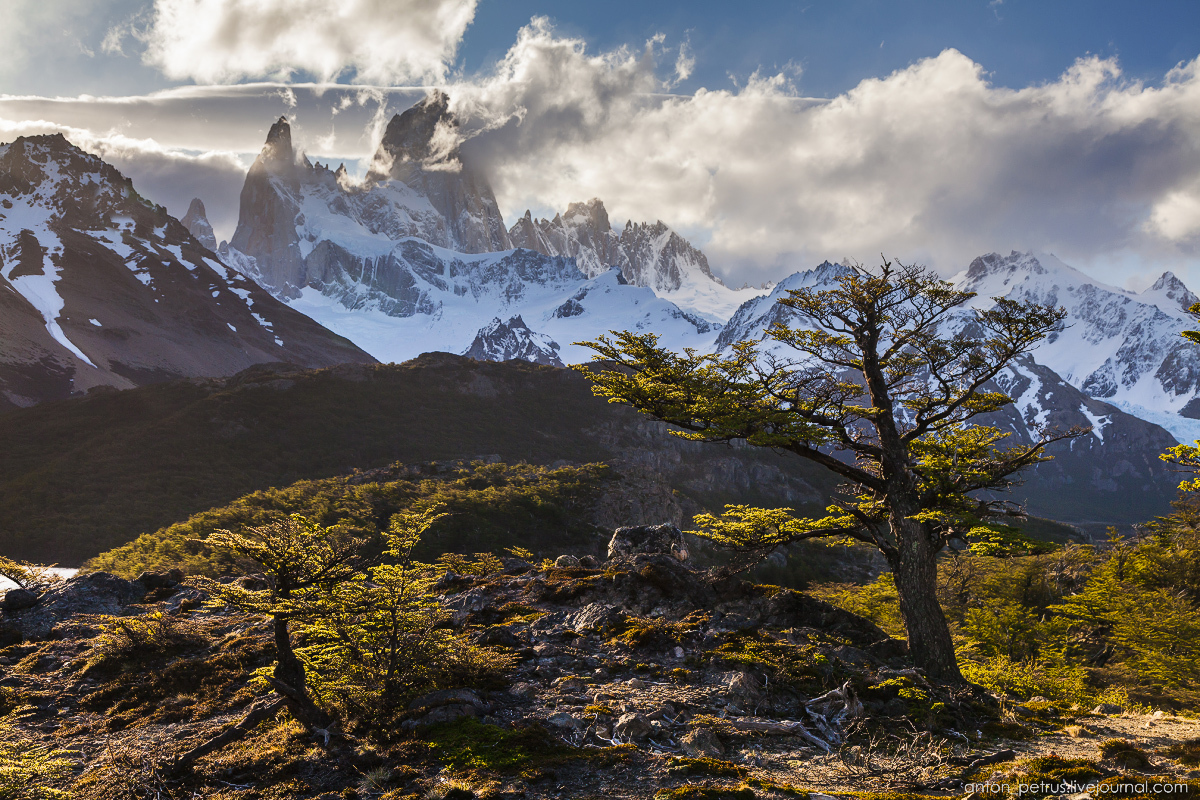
pixel 94 593
pixel 702 743
pixel 566 562
pixel 665 539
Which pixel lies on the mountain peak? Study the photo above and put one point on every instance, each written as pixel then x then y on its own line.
pixel 1168 292
pixel 994 263
pixel 196 221
pixel 592 213
pixel 277 156
pixel 419 133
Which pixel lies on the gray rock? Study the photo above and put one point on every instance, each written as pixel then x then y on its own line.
pixel 702 743
pixel 633 726
pixel 665 539
pixel 744 688
pixel 564 720
pixel 448 697
pixel 566 562
pixel 464 605
pixel 526 691
pixel 19 599
pixel 1107 709
pixel 498 636
pixel 596 617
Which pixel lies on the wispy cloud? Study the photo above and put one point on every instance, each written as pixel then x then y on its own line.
pixel 368 41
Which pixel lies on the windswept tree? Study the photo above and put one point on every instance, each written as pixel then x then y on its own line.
pixel 879 393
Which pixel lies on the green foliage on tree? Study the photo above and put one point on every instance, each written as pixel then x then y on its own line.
pixel 297 557
pixel 24 574
pixel 375 641
pixel 491 506
pixel 880 395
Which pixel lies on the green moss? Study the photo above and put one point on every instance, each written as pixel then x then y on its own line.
pixel 1057 770
pixel 468 747
pixel 786 789
pixel 785 662
pixel 705 766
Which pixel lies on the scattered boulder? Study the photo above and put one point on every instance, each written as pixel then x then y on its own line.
pixel 160 580
pixel 665 539
pixel 446 705
pixel 589 562
pixel 744 689
pixel 598 617
pixel 251 583
pixel 1107 709
pixel 19 599
pixel 633 726
pixel 498 636
pixel 566 562
pixel 702 743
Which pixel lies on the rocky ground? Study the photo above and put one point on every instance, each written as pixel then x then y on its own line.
pixel 634 678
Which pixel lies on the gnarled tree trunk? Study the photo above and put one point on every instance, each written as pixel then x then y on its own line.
pixel 914 568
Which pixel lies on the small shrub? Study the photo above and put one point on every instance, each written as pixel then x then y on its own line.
pixel 27 769
pixel 479 565
pixel 128 639
pixel 1126 754
pixel 1186 752
pixel 706 766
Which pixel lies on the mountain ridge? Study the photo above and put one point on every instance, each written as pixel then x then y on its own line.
pixel 100 287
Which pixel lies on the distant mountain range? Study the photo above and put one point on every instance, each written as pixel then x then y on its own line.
pixel 100 287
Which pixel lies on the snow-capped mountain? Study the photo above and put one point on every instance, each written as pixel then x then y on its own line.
pixel 649 254
pixel 1114 473
pixel 290 206
pixel 1118 346
pixel 508 341
pixel 101 287
pixel 388 262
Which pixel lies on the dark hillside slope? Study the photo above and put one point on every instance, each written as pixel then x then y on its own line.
pixel 83 475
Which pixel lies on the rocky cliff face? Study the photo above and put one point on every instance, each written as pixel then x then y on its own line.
pixel 649 254
pixel 420 185
pixel 420 148
pixel 101 287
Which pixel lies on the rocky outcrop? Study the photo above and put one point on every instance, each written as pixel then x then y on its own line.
pixel 421 149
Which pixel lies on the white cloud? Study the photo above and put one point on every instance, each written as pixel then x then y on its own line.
pixel 387 41
pixel 931 162
pixel 166 175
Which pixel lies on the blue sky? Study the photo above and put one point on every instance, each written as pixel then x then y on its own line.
pixel 838 44
pixel 773 134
